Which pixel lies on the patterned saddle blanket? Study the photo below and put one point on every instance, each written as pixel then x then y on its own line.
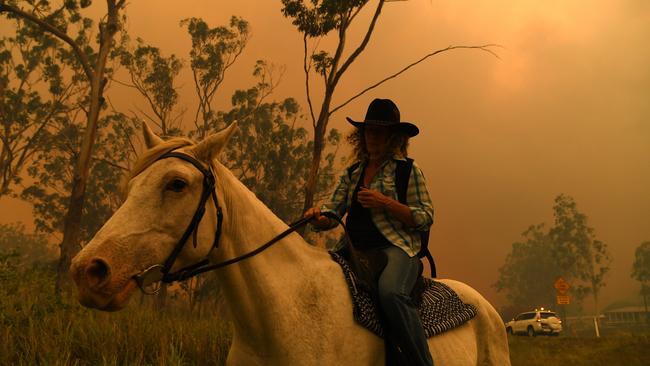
pixel 440 308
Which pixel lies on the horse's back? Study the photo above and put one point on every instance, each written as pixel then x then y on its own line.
pixel 480 341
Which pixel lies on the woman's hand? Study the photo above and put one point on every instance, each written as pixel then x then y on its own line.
pixel 369 198
pixel 374 199
pixel 317 219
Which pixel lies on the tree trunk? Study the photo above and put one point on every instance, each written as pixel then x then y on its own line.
pixel 70 244
pixel 319 145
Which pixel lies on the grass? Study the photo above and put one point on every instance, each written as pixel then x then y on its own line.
pixel 615 350
pixel 37 327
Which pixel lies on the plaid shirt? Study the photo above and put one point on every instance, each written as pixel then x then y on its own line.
pixel 417 199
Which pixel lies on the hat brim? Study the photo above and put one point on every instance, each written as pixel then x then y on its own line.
pixel 408 128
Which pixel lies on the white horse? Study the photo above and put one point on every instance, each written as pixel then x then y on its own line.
pixel 290 304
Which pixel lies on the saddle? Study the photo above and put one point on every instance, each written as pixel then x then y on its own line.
pixel 439 307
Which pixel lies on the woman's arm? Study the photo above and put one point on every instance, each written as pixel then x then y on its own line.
pixel 374 199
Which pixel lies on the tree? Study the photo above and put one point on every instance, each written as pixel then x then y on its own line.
pixel 269 152
pixel 153 75
pixel 34 92
pixel 214 51
pixel 316 19
pixel 575 248
pixel 528 274
pixel 641 271
pixel 53 168
pixel 94 66
pixel 29 248
pixel 568 249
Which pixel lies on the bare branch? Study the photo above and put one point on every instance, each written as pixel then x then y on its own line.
pixel 361 47
pixel 485 48
pixel 307 69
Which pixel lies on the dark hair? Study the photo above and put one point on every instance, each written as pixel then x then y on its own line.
pixel 398 143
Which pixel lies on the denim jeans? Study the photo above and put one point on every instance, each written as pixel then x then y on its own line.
pixel 403 322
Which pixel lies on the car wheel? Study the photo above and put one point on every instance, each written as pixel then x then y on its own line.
pixel 509 330
pixel 531 331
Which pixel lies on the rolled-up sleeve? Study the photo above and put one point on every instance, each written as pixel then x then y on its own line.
pixel 338 201
pixel 418 200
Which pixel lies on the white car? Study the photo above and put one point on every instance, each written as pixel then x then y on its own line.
pixel 535 322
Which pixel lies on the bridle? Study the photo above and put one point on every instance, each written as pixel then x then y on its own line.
pixel 162 272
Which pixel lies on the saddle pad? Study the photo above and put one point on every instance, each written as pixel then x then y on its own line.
pixel 440 307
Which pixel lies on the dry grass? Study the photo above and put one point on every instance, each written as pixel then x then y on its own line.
pixel 615 350
pixel 38 328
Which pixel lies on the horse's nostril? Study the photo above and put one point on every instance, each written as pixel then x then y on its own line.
pixel 97 273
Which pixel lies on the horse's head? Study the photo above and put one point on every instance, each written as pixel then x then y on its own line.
pixel 162 198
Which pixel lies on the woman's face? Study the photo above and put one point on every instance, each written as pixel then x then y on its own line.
pixel 376 140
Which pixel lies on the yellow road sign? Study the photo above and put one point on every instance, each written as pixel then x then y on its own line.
pixel 563 300
pixel 561 286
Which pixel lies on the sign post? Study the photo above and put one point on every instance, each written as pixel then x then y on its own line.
pixel 562 297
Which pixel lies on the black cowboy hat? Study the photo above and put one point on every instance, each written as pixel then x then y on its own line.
pixel 383 112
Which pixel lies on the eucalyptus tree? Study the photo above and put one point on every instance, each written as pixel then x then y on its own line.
pixel 36 89
pixel 92 67
pixel 317 19
pixel 52 173
pixel 568 249
pixel 270 152
pixel 214 51
pixel 581 256
pixel 641 271
pixel 529 271
pixel 153 76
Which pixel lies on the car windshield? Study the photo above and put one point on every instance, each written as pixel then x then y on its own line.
pixel 548 315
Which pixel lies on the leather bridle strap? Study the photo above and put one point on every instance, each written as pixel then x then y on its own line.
pixel 161 272
pixel 191 272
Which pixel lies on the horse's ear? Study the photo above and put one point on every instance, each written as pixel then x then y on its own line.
pixel 150 138
pixel 213 144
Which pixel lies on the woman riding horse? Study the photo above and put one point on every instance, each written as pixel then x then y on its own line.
pixel 377 220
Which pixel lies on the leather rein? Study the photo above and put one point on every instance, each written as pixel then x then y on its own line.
pixel 162 272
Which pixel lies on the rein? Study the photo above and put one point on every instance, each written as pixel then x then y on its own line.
pixel 161 272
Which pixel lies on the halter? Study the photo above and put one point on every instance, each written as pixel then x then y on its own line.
pixel 161 272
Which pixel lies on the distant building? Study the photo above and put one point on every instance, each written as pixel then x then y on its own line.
pixel 628 315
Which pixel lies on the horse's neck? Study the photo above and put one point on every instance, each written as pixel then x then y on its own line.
pixel 262 291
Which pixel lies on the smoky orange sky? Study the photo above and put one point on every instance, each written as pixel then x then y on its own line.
pixel 566 109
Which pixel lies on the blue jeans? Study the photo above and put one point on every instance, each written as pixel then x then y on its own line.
pixel 403 322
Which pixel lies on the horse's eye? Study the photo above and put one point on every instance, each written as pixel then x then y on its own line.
pixel 176 185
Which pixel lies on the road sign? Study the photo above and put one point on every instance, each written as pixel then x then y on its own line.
pixel 563 300
pixel 561 286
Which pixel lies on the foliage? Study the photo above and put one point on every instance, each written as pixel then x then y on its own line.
pixel 581 256
pixel 52 173
pixel 641 267
pixel 316 18
pixel 270 155
pixel 153 76
pixel 568 249
pixel 529 271
pixel 29 249
pixel 213 51
pixel 39 83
